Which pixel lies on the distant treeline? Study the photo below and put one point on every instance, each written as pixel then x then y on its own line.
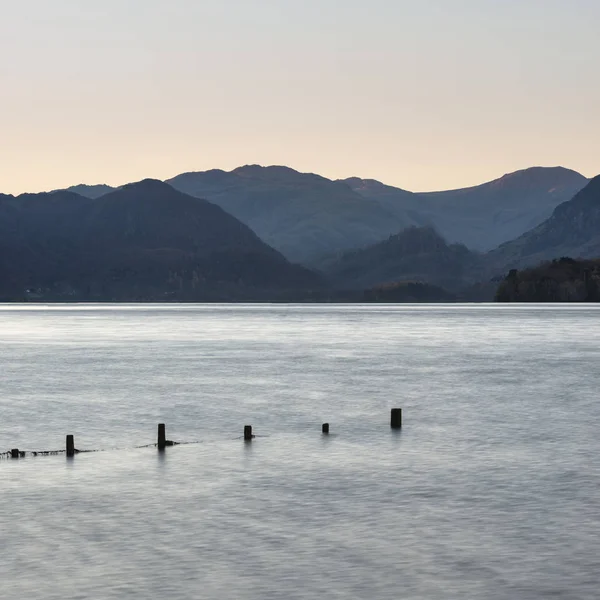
pixel 559 280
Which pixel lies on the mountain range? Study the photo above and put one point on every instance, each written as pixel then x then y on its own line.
pixel 145 241
pixel 572 230
pixel 151 241
pixel 484 216
pixel 310 218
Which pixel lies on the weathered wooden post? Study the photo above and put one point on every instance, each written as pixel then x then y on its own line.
pixel 162 437
pixel 325 428
pixel 70 446
pixel 14 453
pixel 396 420
pixel 248 433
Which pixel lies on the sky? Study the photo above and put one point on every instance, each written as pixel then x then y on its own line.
pixel 421 94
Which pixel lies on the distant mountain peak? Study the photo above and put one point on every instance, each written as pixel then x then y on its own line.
pixel 539 176
pixel 277 173
pixel 256 169
pixel 91 191
pixel 148 185
pixel 358 184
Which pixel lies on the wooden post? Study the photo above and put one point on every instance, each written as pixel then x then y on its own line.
pixel 70 446
pixel 14 453
pixel 248 433
pixel 162 437
pixel 325 428
pixel 396 421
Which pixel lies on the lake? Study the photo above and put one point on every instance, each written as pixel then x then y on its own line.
pixel 490 491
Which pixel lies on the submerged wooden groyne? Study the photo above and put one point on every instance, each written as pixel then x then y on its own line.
pixel 162 442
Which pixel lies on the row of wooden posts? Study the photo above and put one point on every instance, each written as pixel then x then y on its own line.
pixel 163 442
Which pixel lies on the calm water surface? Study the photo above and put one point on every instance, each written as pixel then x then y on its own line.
pixel 491 490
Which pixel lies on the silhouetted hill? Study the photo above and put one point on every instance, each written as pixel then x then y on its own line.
pixel 560 280
pixel 416 254
pixel 145 241
pixel 572 230
pixel 37 232
pixel 303 215
pixel 484 216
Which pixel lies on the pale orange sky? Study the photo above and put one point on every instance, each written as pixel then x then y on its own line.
pixel 422 94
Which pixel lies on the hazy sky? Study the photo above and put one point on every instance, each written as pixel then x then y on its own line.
pixel 422 94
